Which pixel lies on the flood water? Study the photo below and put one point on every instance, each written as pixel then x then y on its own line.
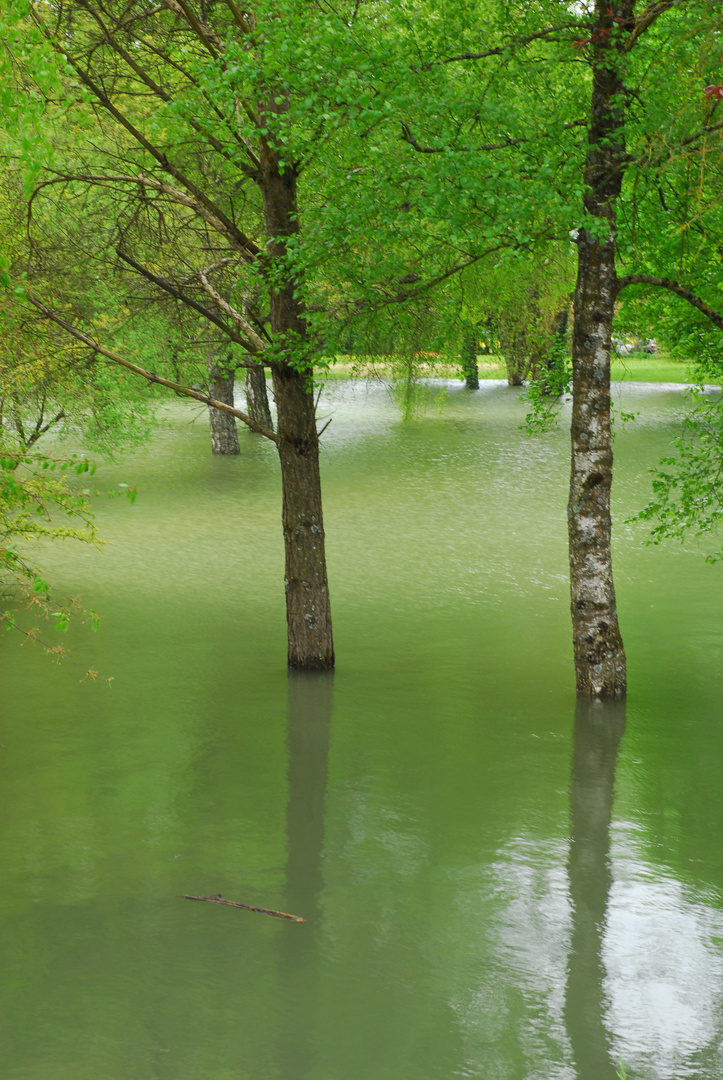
pixel 496 883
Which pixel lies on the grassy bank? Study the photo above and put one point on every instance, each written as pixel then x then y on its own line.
pixel 657 368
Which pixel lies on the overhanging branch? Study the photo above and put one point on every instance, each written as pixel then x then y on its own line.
pixel 674 287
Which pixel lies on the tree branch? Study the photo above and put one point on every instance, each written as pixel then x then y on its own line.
pixel 407 137
pixel 516 44
pixel 157 89
pixel 176 293
pixel 646 19
pixel 242 242
pixel 258 342
pixel 150 376
pixel 674 287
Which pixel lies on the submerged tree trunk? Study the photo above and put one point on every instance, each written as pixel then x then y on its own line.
pixel 257 398
pixel 513 342
pixel 599 654
pixel 308 610
pixel 224 436
pixel 547 364
pixel 469 361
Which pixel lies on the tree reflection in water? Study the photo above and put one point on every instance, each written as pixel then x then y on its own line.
pixel 599 728
pixel 311 696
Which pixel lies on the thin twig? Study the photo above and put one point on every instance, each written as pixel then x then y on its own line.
pixel 218 899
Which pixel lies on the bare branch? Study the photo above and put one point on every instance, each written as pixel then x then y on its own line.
pixel 246 327
pixel 239 239
pixel 210 40
pixel 407 137
pixel 177 294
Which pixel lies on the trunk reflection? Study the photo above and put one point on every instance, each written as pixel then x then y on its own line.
pixel 599 727
pixel 310 710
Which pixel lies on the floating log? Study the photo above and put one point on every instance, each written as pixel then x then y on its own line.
pixel 218 899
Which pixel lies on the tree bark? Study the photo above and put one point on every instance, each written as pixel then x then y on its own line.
pixel 469 361
pixel 308 610
pixel 600 667
pixel 224 436
pixel 513 342
pixel 257 398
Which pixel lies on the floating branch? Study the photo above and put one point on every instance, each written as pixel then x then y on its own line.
pixel 218 899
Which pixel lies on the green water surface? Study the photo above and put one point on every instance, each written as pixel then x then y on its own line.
pixel 495 883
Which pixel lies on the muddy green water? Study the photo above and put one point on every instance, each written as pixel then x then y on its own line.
pixel 495 884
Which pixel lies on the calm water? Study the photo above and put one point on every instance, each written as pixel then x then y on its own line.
pixel 496 884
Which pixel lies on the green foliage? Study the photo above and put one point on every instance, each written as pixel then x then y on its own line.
pixel 548 391
pixel 37 503
pixel 687 492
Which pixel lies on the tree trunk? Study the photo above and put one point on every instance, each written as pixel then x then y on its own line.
pixel 469 361
pixel 308 611
pixel 224 436
pixel 599 653
pixel 257 398
pixel 513 343
pixel 547 363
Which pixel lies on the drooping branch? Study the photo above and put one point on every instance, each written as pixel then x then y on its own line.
pixel 674 287
pixel 149 376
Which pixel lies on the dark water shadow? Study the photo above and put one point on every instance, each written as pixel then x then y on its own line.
pixel 599 728
pixel 311 696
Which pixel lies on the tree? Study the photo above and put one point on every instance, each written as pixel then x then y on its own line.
pixel 217 80
pixel 639 81
pixel 234 172
pixel 617 35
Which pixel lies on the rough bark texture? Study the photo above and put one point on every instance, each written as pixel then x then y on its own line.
pixel 224 436
pixel 308 610
pixel 599 727
pixel 599 653
pixel 469 362
pixel 257 398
